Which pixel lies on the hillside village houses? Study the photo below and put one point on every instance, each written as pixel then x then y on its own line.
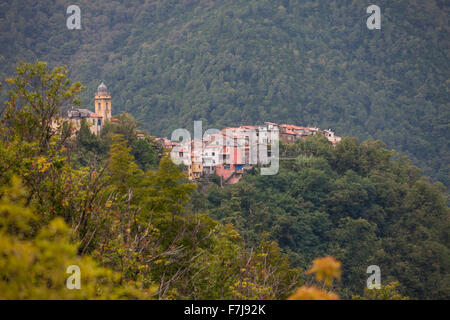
pixel 227 153
pixel 96 120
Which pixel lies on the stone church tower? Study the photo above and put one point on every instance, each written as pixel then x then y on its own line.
pixel 103 103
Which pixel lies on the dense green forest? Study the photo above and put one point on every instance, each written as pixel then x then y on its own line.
pixel 119 208
pixel 242 62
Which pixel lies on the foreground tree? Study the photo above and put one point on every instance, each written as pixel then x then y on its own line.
pixel 33 261
pixel 36 97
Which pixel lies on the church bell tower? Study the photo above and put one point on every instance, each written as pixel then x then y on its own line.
pixel 103 103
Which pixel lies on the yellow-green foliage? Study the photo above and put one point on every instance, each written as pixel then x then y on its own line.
pixel 33 263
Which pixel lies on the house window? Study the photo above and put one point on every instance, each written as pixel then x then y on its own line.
pixel 213 153
pixel 99 122
pixel 226 166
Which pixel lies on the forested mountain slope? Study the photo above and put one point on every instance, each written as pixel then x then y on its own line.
pixel 234 62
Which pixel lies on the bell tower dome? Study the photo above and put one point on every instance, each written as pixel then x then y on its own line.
pixel 102 102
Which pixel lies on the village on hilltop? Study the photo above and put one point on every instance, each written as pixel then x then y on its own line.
pixel 226 153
